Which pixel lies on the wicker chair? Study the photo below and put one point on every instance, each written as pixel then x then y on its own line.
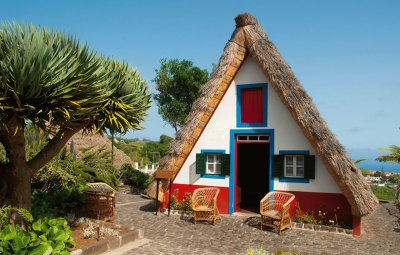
pixel 274 210
pixel 204 204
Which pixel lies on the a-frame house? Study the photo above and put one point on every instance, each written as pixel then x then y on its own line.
pixel 254 129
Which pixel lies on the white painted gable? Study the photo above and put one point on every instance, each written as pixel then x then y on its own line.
pixel 288 136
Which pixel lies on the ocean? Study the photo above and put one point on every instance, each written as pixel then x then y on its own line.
pixel 371 163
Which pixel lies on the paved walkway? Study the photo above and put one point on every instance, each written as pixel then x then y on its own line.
pixel 234 234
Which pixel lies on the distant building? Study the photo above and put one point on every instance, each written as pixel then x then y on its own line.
pixel 383 173
pixel 373 179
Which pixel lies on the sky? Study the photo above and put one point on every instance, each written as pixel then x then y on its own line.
pixel 346 53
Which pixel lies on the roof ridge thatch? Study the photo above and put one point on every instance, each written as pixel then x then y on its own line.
pixel 250 39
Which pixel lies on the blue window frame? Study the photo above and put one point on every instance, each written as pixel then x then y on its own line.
pixel 239 89
pixel 212 152
pixel 294 153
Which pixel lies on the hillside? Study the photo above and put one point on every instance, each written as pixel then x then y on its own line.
pixel 97 142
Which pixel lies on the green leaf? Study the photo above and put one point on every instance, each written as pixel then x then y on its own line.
pixel 33 235
pixel 23 239
pixel 8 233
pixel 53 230
pixel 44 248
pixel 38 225
pixel 43 237
pixel 59 246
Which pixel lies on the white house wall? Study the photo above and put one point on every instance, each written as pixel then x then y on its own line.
pixel 288 136
pixel 215 136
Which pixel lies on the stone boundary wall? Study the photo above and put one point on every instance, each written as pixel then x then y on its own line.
pixel 322 228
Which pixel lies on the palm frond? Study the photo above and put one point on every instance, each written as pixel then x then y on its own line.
pixel 360 160
pixel 394 154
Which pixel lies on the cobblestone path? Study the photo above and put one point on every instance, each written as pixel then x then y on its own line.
pixel 234 234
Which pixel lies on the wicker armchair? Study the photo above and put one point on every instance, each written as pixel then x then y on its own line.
pixel 274 210
pixel 204 204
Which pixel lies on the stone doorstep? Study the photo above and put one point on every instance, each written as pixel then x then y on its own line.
pixel 111 243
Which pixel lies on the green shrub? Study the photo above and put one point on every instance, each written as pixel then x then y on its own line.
pixel 5 213
pixel 45 236
pixel 57 203
pixel 55 231
pixel 320 218
pixel 306 218
pixel 54 176
pixel 185 204
pixel 134 177
pixel 65 172
pixel 384 192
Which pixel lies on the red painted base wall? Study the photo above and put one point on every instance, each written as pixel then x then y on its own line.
pixel 335 206
pixel 222 201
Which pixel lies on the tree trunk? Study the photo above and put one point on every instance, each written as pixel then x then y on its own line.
pixel 16 186
pixel 16 175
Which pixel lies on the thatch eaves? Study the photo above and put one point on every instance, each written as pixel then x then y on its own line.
pixel 250 39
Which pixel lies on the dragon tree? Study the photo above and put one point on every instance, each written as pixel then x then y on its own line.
pixel 60 86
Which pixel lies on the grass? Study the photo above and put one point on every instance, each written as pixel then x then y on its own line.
pixel 384 193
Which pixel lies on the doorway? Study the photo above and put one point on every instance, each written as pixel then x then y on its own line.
pixel 252 169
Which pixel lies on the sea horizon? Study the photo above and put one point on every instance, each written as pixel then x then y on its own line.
pixel 370 162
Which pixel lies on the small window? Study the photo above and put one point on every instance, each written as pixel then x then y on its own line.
pixel 253 138
pixel 251 110
pixel 294 166
pixel 242 138
pixel 213 164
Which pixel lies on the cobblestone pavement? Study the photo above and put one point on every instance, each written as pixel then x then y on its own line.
pixel 234 234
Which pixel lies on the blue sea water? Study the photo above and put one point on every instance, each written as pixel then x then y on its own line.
pixel 371 163
pixel 380 166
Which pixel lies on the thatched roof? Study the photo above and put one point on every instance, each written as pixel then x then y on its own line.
pixel 98 187
pixel 97 142
pixel 249 39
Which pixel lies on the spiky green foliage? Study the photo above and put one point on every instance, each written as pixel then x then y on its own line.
pixel 58 86
pixel 54 81
pixel 46 77
pixel 127 99
pixel 394 154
